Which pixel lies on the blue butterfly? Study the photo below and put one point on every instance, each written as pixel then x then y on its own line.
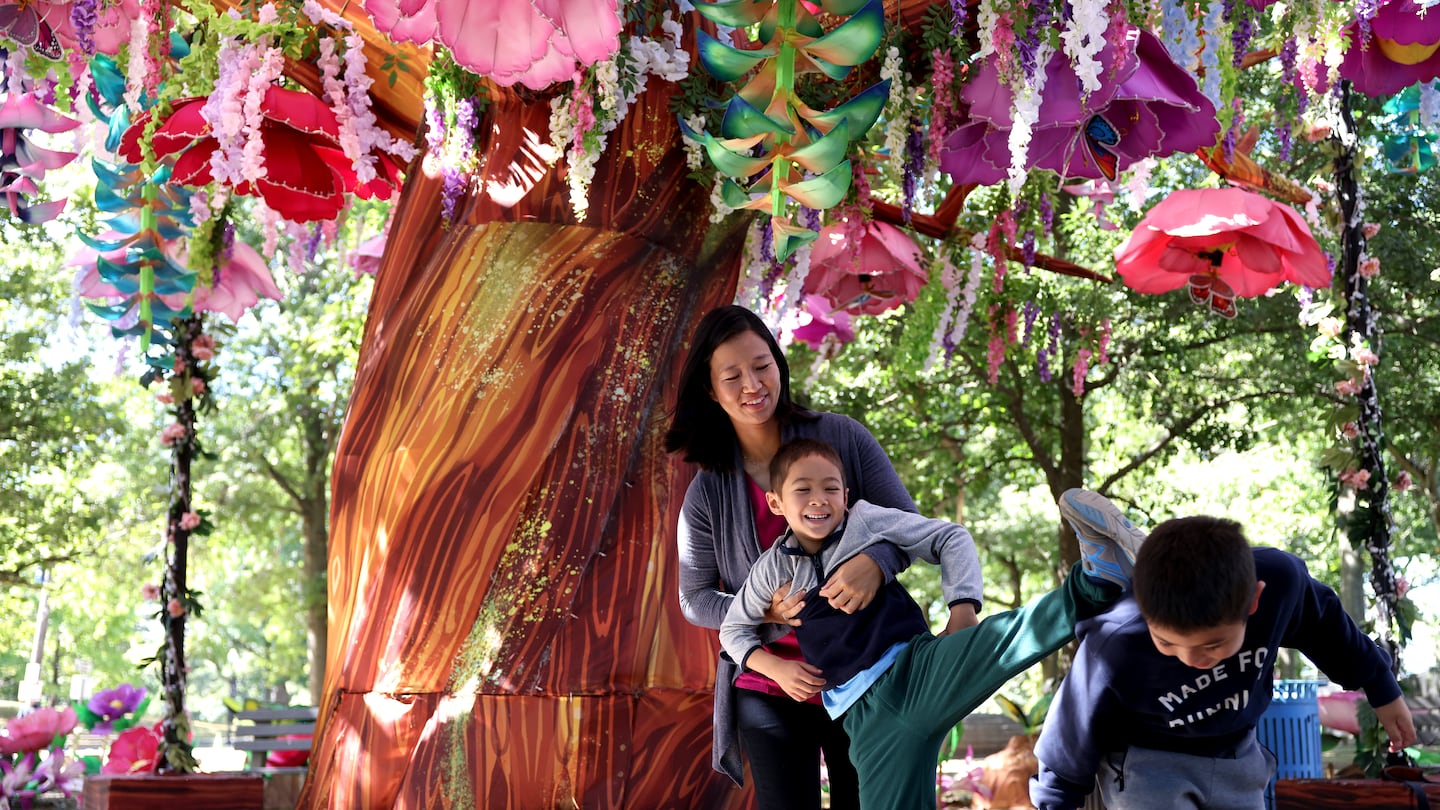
pixel 1099 134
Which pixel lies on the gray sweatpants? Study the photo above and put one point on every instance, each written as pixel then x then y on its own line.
pixel 1146 779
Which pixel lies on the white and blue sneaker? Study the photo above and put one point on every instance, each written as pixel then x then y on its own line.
pixel 1108 540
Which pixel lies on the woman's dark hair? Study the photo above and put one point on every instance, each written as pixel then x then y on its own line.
pixel 699 427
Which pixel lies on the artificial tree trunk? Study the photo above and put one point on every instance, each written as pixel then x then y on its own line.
pixel 505 631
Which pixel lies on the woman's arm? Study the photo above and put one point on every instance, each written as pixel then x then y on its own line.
pixel 702 601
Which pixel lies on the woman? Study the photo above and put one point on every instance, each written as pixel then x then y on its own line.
pixel 732 413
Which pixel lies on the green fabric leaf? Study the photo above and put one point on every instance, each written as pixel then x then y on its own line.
pixel 859 113
pixel 735 13
pixel 821 155
pixel 853 41
pixel 744 120
pixel 726 63
pixel 731 164
pixel 824 191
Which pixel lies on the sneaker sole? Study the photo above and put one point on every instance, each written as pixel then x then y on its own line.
pixel 1109 532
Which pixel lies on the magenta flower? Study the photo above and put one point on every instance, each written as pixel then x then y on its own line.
pixel 22 163
pixel 36 730
pixel 110 705
pixel 134 751
pixel 1401 48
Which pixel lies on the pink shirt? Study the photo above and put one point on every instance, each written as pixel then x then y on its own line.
pixel 768 528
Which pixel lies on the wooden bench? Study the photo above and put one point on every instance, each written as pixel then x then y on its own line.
pixel 260 731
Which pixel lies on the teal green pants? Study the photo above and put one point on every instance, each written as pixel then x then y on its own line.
pixel 897 726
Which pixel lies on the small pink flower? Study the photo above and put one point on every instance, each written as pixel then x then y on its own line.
pixel 1402 587
pixel 1347 388
pixel 1364 356
pixel 189 520
pixel 1403 483
pixel 1356 479
pixel 179 365
pixel 1370 267
pixel 1350 430
pixel 172 433
pixel 197 385
pixel 164 398
pixel 1370 229
pixel 202 347
pixel 175 609
pixel 150 592
pixel 1330 327
pixel 36 730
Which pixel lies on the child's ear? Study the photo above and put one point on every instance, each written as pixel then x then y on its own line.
pixel 1259 586
pixel 774 501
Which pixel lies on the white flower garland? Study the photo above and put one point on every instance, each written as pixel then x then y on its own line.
pixel 1023 116
pixel 1083 37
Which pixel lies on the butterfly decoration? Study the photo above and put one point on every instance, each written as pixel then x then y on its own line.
pixel 1207 290
pixel 23 25
pixel 867 293
pixel 1099 134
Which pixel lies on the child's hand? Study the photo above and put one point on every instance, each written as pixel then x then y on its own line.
pixel 801 681
pixel 1399 724
pixel 853 584
pixel 783 609
pixel 962 615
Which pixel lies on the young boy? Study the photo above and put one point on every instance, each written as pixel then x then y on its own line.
pixel 1166 689
pixel 898 688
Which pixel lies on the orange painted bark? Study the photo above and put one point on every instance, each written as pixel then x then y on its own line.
pixel 504 628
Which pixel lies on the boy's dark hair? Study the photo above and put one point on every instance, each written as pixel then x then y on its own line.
pixel 1195 573
pixel 699 427
pixel 796 449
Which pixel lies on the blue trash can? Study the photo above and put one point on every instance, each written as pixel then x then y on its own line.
pixel 1290 728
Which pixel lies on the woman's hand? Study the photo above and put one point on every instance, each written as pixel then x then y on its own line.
pixel 853 584
pixel 801 681
pixel 783 609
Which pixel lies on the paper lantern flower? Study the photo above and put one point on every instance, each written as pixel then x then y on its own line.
pixel 1403 48
pixel 305 175
pixel 1220 243
pixel 882 273
pixel 822 326
pixel 1146 106
pixel 22 163
pixel 532 42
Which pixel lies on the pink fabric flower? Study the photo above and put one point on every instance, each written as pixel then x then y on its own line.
pixel 189 521
pixel 1347 388
pixel 1402 587
pixel 164 398
pixel 1370 267
pixel 1356 479
pixel 175 609
pixel 1330 327
pixel 202 347
pixel 136 750
pixel 150 592
pixel 1350 430
pixel 1364 356
pixel 1403 482
pixel 197 385
pixel 180 364
pixel 36 730
pixel 1370 229
pixel 172 433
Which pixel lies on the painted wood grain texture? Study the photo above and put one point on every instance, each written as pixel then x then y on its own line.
pixel 504 626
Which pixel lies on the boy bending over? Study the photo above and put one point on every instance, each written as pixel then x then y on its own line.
pixel 1166 689
pixel 898 688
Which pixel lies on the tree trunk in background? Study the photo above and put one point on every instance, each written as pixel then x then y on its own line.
pixel 504 627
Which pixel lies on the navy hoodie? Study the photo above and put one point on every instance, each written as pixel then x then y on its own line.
pixel 1123 692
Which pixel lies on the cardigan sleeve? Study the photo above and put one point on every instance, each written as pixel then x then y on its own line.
pixel 702 601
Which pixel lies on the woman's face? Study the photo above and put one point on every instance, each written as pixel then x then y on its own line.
pixel 745 379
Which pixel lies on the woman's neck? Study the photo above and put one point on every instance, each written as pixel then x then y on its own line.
pixel 758 443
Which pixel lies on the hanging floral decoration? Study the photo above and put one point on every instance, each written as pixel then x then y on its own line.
pixel 1397 47
pixel 773 147
pixel 23 163
pixel 879 272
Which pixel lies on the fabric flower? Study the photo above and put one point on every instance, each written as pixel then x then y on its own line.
pixel 110 705
pixel 172 433
pixel 175 608
pixel 136 750
pixel 1347 388
pixel 150 592
pixel 189 521
pixel 1349 430
pixel 202 347
pixel 1356 479
pixel 36 730
pixel 22 163
pixel 1403 482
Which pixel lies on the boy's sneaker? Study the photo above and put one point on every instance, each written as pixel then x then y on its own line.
pixel 1108 540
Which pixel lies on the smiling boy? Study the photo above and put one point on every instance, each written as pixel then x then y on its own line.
pixel 898 688
pixel 1166 689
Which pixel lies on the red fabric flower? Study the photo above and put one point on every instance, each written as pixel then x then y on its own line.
pixel 136 750
pixel 36 730
pixel 306 171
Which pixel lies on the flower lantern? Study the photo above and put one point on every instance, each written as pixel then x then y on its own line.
pixel 1401 48
pixel 1146 106
pixel 823 326
pixel 1220 243
pixel 22 163
pixel 882 272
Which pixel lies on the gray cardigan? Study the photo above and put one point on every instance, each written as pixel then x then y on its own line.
pixel 716 535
